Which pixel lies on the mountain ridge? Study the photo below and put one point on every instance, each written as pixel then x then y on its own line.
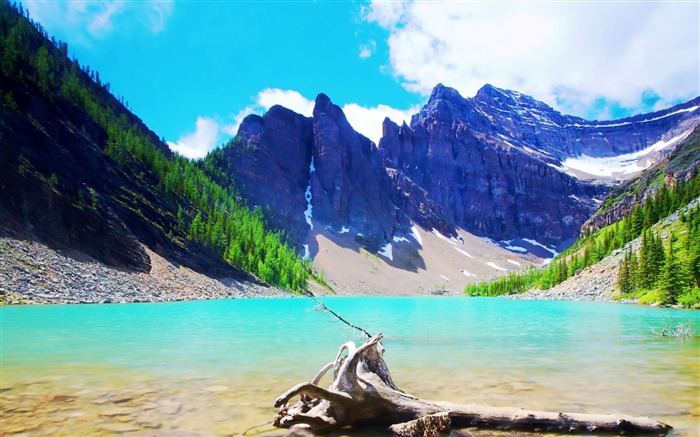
pixel 417 157
pixel 453 169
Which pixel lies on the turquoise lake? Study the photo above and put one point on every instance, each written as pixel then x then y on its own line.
pixel 215 367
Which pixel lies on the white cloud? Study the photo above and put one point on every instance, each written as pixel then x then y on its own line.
pixel 198 143
pixel 367 50
pixel 366 120
pixel 572 55
pixel 270 97
pixel 87 19
pixel 100 21
pixel 158 14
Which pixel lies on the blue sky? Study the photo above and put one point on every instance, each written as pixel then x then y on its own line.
pixel 192 69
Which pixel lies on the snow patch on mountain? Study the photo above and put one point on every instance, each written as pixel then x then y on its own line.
pixel 536 243
pixel 518 249
pixel 387 252
pixel 620 165
pixel 308 214
pixel 463 252
pixel 416 235
pixel 449 240
pixel 494 266
pixel 627 123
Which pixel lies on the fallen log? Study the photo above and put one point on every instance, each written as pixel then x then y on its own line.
pixel 363 393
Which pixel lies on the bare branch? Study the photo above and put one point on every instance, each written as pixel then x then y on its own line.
pixel 323 307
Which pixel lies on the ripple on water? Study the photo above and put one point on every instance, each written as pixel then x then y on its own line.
pixel 215 368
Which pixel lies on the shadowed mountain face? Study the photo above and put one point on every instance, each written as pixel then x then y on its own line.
pixel 316 171
pixel 500 165
pixel 504 166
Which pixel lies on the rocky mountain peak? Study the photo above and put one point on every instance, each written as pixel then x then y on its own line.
pixel 314 173
pixel 516 103
pixel 323 104
pixel 251 126
pixel 445 104
pixel 442 92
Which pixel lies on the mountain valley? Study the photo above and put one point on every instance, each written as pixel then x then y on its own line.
pixel 471 190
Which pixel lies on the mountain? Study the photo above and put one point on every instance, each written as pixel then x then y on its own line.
pixel 680 165
pixel 642 245
pixel 315 171
pixel 507 167
pixel 82 174
pixel 501 166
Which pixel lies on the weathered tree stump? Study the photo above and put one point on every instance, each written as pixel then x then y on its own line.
pixel 362 392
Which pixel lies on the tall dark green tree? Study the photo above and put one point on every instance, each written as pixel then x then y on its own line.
pixel 670 282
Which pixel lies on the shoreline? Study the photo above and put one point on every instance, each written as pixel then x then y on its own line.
pixel 33 274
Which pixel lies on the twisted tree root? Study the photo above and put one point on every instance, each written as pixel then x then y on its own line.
pixel 362 392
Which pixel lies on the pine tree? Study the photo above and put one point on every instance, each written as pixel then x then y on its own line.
pixel 623 276
pixel 197 231
pixel 637 222
pixel 670 282
pixel 180 218
pixel 651 260
pixel 633 267
pixel 644 274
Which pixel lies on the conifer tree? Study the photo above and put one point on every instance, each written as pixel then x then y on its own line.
pixel 670 282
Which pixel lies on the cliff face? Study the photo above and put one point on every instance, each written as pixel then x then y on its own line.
pixel 350 187
pixel 496 164
pixel 270 160
pixel 500 165
pixel 315 171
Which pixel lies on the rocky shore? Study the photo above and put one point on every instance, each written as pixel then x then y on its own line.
pixel 598 283
pixel 593 284
pixel 32 273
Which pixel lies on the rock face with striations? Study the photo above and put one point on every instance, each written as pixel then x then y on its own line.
pixel 270 159
pixel 315 171
pixel 500 165
pixel 494 163
pixel 350 187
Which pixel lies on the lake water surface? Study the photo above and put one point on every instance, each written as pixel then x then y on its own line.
pixel 215 367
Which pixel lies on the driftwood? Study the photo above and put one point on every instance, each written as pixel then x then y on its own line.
pixel 363 393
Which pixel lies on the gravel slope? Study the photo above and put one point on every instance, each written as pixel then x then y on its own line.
pixel 30 272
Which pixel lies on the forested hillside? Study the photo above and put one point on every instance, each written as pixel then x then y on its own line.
pixel 79 171
pixel 665 272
